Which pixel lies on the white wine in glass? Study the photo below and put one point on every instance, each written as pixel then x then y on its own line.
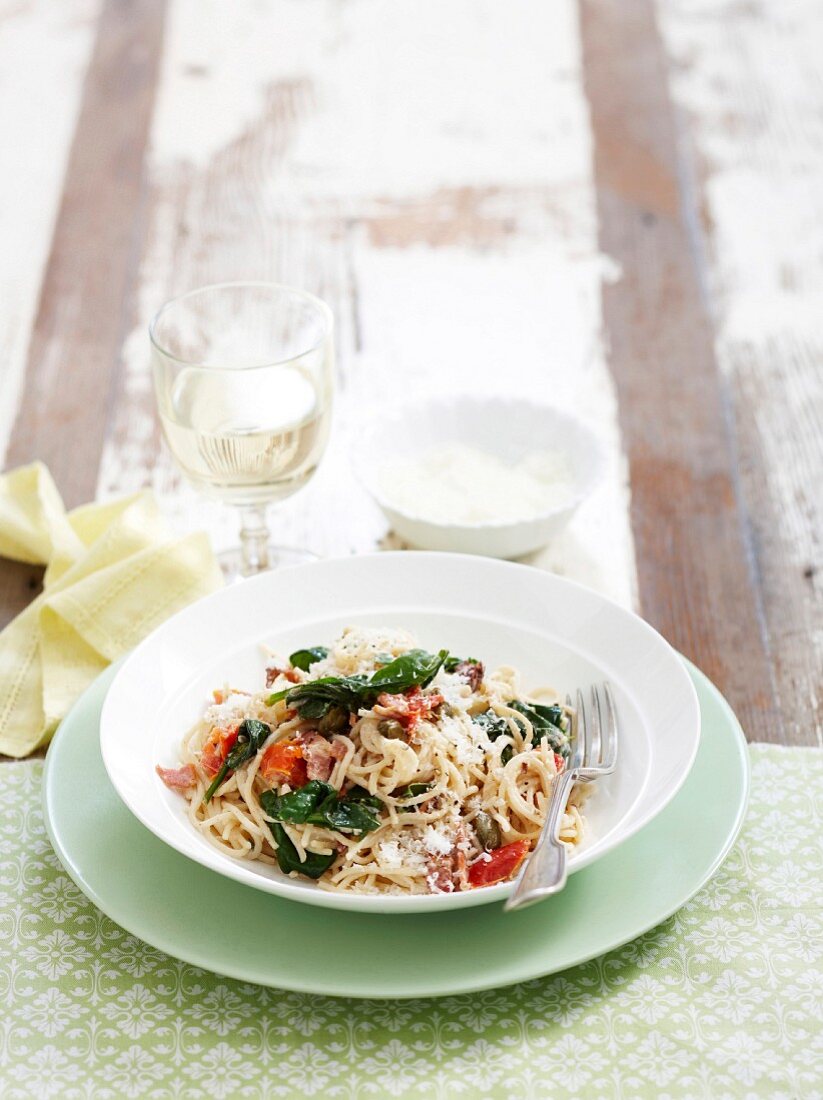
pixel 244 374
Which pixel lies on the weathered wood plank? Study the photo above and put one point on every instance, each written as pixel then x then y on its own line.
pixel 420 227
pixel 78 327
pixel 38 113
pixel 694 551
pixel 747 80
pixel 456 242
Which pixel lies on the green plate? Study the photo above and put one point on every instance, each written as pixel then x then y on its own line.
pixel 185 909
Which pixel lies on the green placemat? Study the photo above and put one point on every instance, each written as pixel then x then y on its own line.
pixel 721 1000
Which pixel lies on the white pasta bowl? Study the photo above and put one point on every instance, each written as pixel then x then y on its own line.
pixel 507 428
pixel 554 631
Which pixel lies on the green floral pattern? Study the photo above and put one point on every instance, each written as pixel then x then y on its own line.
pixel 722 1000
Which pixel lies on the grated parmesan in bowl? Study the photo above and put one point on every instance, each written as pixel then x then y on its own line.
pixel 455 483
pixel 494 476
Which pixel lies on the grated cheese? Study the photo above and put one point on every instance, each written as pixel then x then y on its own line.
pixel 468 741
pixel 460 484
pixel 355 651
pixel 221 714
pixel 454 689
pixel 404 853
pixel 436 841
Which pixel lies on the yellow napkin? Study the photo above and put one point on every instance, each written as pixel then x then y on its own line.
pixel 113 574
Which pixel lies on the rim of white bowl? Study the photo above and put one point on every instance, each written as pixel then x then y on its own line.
pixel 367 476
pixel 296 890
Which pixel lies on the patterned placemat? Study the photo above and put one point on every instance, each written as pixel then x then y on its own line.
pixel 724 999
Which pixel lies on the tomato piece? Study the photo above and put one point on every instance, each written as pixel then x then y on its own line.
pixel 283 762
pixel 217 748
pixel 501 865
pixel 559 762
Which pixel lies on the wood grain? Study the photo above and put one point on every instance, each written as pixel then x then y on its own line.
pixel 38 114
pixel 456 217
pixel 432 234
pixel 73 353
pixel 746 80
pixel 78 329
pixel 695 556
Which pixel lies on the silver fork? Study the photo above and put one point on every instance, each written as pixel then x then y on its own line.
pixel 594 753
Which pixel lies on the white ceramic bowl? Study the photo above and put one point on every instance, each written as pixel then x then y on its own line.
pixel 508 428
pixel 555 631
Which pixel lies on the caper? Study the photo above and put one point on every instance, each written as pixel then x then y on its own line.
pixel 336 721
pixel 391 729
pixel 488 831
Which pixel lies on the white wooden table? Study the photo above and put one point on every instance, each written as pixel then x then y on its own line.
pixel 615 207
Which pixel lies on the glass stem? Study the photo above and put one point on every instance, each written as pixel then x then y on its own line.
pixel 254 539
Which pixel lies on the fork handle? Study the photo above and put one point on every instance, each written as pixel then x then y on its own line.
pixel 545 870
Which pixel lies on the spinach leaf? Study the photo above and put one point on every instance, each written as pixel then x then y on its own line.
pixel 451 663
pixel 318 803
pixel 361 795
pixel 314 864
pixel 550 714
pixel 345 816
pixel 548 722
pixel 318 697
pixel 417 668
pixel 305 658
pixel 412 791
pixel 250 736
pixel 315 699
pixel 494 726
pixel 296 806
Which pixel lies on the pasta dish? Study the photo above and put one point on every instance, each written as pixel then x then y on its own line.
pixel 375 766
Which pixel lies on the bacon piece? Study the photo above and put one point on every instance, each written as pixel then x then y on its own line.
pixel 218 746
pixel 472 672
pixel 273 672
pixel 447 872
pixel 178 779
pixel 439 874
pixel 409 708
pixel 320 755
pixel 392 706
pixel 460 869
pixel 284 762
pixel 460 863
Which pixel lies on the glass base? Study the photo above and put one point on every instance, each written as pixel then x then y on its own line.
pixel 235 568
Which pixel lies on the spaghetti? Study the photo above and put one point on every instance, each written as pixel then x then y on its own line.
pixel 377 767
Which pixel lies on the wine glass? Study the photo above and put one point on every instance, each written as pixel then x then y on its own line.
pixel 243 374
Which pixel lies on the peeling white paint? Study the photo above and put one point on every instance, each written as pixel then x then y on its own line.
pixel 468 117
pixel 44 51
pixel 748 81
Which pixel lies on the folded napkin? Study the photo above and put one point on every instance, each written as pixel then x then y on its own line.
pixel 113 574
